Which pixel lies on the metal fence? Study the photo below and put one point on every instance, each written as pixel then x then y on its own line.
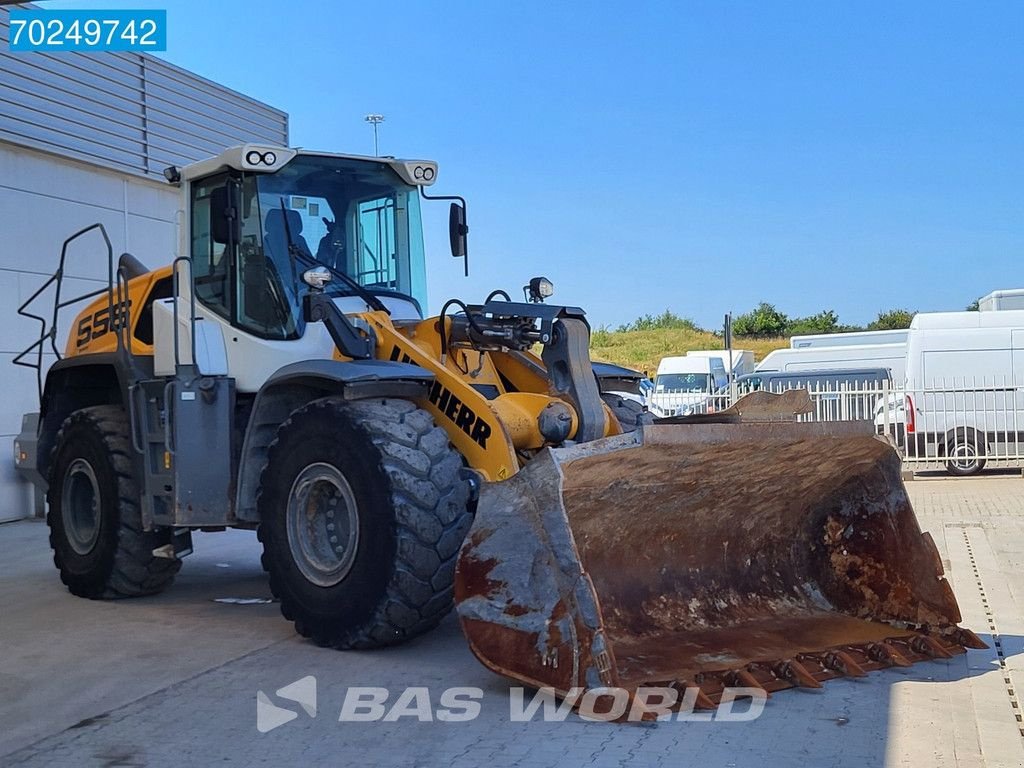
pixel 832 402
pixel 958 425
pixel 961 425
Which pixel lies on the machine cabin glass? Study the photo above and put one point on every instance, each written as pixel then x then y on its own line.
pixel 352 216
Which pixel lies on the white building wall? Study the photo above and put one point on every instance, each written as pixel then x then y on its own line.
pixel 84 138
pixel 43 200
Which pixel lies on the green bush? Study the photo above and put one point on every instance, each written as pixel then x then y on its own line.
pixel 764 320
pixel 600 336
pixel 667 319
pixel 891 320
pixel 823 322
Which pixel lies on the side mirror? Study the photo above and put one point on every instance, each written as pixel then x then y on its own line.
pixel 317 277
pixel 225 223
pixel 457 230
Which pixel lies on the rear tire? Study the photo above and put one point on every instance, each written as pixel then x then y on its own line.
pixel 964 451
pixel 94 516
pixel 629 413
pixel 363 510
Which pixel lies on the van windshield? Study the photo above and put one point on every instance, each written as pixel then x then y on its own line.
pixel 682 382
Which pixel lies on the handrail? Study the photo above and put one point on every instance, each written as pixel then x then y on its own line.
pixel 124 318
pixel 192 309
pixel 58 278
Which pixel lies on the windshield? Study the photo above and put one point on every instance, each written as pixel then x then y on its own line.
pixel 352 216
pixel 682 382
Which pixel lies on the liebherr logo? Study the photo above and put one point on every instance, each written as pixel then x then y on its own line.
pixel 269 716
pixel 453 409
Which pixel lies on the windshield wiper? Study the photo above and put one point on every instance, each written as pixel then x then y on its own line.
pixel 368 296
pixel 292 248
pixel 295 253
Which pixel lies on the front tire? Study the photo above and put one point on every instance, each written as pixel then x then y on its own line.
pixel 363 510
pixel 629 413
pixel 94 516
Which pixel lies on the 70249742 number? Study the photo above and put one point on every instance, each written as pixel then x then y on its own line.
pixel 96 30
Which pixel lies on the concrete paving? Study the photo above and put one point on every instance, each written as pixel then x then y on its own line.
pixel 172 680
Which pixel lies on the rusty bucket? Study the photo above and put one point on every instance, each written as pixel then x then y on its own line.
pixel 709 555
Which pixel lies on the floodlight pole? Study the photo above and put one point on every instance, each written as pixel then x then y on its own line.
pixel 375 120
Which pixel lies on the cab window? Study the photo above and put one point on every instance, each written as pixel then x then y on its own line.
pixel 376 246
pixel 238 281
pixel 210 265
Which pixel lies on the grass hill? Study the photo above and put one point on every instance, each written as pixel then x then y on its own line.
pixel 642 349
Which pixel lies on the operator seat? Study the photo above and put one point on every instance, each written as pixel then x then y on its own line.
pixel 275 239
pixel 269 284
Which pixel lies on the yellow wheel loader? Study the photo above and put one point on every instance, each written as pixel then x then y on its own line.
pixel 279 375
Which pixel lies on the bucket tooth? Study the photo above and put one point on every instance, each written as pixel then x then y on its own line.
pixel 796 673
pixel 844 663
pixel 743 678
pixel 704 701
pixel 886 652
pixel 929 646
pixel 701 700
pixel 968 639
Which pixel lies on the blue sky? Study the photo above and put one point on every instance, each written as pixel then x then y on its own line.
pixel 693 156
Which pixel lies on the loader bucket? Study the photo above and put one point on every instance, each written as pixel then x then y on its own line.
pixel 709 555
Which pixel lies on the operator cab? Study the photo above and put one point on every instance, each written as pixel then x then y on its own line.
pixel 254 232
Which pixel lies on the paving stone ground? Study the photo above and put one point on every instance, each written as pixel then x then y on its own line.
pixel 172 680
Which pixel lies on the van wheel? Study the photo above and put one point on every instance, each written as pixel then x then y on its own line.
pixel 964 451
pixel 363 509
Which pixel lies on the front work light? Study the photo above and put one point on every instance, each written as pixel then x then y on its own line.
pixel 539 289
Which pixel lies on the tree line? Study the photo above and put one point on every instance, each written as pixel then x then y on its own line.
pixel 766 321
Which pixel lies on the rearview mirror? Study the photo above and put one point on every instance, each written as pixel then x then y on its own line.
pixel 457 230
pixel 225 224
pixel 317 277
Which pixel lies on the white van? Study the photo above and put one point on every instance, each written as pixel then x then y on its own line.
pixel 684 385
pixel 964 388
pixel 999 301
pixel 847 339
pixel 891 356
pixel 742 359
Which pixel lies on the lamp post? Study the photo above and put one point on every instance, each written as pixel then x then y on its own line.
pixel 375 120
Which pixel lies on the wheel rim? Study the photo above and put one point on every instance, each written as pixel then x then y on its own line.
pixel 80 506
pixel 963 457
pixel 323 524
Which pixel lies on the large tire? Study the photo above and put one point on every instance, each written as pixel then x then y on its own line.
pixel 95 520
pixel 629 413
pixel 380 468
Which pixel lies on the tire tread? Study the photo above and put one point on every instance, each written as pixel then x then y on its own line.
pixel 134 571
pixel 430 504
pixel 629 413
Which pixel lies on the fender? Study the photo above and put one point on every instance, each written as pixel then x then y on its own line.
pixel 299 383
pixel 616 378
pixel 81 381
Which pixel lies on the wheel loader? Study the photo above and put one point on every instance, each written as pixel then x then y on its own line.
pixel 279 375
